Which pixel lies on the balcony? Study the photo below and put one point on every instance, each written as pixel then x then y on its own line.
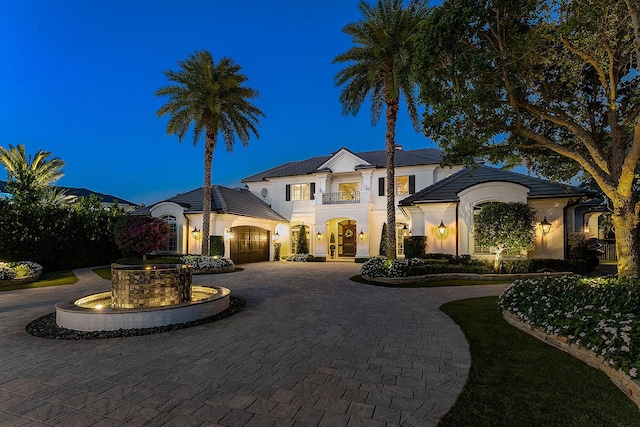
pixel 340 198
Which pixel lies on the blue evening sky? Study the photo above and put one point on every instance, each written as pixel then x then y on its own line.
pixel 78 79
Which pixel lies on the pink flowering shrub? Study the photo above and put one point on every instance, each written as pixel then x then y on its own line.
pixel 139 235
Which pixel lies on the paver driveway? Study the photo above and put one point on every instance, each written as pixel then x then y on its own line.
pixel 311 348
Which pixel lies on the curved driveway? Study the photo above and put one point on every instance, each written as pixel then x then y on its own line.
pixel 311 348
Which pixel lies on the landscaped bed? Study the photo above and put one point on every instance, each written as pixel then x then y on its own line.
pixel 18 273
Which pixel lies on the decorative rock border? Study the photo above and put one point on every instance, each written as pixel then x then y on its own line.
pixel 629 386
pixel 459 276
pixel 19 281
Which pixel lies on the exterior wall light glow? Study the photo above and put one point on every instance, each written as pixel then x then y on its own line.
pixel 442 229
pixel 228 233
pixel 546 226
pixel 318 236
pixel 586 229
pixel 195 233
pixel 405 230
pixel 276 236
pixel 361 235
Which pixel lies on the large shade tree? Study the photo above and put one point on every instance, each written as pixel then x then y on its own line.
pixel 555 81
pixel 379 66
pixel 211 98
pixel 30 178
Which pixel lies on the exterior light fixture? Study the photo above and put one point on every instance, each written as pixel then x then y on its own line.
pixel 318 236
pixel 442 228
pixel 546 226
pixel 586 229
pixel 276 236
pixel 405 230
pixel 361 235
pixel 195 233
pixel 228 233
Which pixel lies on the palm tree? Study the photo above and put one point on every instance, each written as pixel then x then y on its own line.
pixel 211 98
pixel 379 65
pixel 30 179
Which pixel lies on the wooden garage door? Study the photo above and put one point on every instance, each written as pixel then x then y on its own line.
pixel 249 244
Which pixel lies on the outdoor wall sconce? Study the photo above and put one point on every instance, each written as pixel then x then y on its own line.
pixel 546 226
pixel 228 233
pixel 196 233
pixel 442 228
pixel 361 235
pixel 276 236
pixel 405 230
pixel 318 236
pixel 586 229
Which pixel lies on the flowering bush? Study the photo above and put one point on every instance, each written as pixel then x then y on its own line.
pixel 140 234
pixel 18 270
pixel 599 314
pixel 202 262
pixel 298 257
pixel 384 267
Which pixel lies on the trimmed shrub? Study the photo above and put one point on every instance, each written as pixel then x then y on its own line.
pixel 384 241
pixel 415 246
pixel 276 251
pixel 302 243
pixel 534 265
pixel 216 245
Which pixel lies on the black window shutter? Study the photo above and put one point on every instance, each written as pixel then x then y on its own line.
pixel 312 190
pixel 380 186
pixel 412 184
pixel 287 193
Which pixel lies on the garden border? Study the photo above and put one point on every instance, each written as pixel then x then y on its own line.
pixel 460 276
pixel 20 281
pixel 629 386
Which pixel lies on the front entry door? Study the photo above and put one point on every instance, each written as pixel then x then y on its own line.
pixel 347 239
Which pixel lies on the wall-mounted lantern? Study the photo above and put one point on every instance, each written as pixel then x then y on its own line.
pixel 546 226
pixel 361 235
pixel 405 230
pixel 586 229
pixel 318 236
pixel 228 233
pixel 195 233
pixel 276 236
pixel 442 229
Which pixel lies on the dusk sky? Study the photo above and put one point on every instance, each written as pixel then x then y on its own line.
pixel 79 77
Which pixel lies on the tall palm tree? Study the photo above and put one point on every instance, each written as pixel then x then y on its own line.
pixel 30 179
pixel 379 65
pixel 211 98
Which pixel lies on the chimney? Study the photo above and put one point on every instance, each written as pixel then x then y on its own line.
pixel 398 147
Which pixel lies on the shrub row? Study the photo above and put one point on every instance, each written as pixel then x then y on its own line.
pixel 514 266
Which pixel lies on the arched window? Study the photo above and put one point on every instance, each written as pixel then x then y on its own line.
pixel 172 243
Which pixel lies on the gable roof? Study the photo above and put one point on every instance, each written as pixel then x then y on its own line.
pixel 83 192
pixel 237 201
pixel 377 159
pixel 447 189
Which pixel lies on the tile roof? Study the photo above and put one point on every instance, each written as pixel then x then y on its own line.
pixel 447 190
pixel 378 159
pixel 83 192
pixel 238 201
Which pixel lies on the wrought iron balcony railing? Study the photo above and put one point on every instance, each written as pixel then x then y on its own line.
pixel 341 197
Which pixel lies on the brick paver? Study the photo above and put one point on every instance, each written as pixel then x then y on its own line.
pixel 311 348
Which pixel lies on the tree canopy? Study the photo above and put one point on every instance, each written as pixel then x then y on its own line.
pixel 554 81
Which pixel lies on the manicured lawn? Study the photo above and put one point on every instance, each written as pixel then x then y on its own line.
pixel 432 284
pixel 104 272
pixel 55 278
pixel 517 380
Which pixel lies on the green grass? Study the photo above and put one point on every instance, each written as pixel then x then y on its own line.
pixel 517 380
pixel 431 284
pixel 54 278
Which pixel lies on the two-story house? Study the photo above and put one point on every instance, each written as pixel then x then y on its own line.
pixel 340 199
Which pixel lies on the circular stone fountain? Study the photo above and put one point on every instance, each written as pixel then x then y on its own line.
pixel 143 297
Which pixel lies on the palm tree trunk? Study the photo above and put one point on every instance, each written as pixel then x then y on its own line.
pixel 392 114
pixel 210 144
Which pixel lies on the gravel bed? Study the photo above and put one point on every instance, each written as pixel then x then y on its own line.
pixel 46 326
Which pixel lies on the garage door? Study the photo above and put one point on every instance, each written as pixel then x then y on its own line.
pixel 249 244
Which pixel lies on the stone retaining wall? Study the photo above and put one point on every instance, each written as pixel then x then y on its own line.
pixel 459 276
pixel 629 386
pixel 19 281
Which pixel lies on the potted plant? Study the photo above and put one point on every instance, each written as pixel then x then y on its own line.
pixel 332 246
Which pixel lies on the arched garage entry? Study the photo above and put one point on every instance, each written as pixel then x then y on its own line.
pixel 249 244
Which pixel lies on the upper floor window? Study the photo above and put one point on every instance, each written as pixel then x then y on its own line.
pixel 300 191
pixel 405 184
